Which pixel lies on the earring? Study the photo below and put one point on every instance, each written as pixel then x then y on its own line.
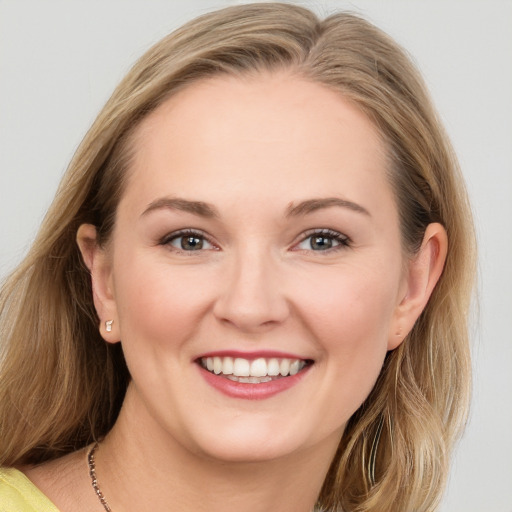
pixel 108 325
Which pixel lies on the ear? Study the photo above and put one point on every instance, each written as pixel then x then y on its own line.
pixel 98 262
pixel 421 276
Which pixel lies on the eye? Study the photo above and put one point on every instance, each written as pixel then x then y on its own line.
pixel 323 240
pixel 188 240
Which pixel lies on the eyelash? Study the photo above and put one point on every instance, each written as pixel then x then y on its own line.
pixel 185 233
pixel 343 241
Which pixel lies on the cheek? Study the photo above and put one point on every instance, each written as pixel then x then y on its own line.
pixel 350 317
pixel 158 303
pixel 351 307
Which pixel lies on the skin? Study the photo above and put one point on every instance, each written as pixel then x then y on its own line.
pixel 253 149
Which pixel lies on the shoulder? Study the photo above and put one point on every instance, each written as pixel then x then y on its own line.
pixel 19 494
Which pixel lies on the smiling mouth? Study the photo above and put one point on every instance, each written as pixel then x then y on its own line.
pixel 253 371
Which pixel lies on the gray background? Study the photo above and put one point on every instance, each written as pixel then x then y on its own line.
pixel 60 60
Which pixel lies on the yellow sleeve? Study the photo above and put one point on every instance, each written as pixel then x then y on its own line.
pixel 19 494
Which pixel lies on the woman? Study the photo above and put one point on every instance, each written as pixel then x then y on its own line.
pixel 255 277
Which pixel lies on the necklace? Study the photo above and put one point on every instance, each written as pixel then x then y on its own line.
pixel 94 480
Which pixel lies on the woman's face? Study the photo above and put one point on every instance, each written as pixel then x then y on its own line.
pixel 258 234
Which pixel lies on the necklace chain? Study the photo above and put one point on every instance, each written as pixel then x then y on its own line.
pixel 94 480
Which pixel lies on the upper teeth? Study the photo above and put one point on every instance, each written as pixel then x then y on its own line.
pixel 260 367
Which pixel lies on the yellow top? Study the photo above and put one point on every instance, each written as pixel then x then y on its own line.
pixel 19 494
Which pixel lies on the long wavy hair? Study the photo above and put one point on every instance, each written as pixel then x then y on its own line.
pixel 61 385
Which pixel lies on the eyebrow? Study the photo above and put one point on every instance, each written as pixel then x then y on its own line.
pixel 312 205
pixel 207 210
pixel 195 207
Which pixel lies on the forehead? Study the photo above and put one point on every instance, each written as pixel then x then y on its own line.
pixel 296 136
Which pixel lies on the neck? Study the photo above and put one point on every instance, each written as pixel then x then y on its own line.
pixel 142 468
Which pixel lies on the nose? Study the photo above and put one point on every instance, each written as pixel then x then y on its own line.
pixel 252 297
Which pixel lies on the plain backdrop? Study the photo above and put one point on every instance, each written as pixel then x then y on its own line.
pixel 60 60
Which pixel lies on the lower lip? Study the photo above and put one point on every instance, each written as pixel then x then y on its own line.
pixel 248 391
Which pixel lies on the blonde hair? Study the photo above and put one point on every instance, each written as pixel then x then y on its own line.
pixel 62 386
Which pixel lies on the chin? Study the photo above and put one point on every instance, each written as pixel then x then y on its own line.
pixel 240 452
pixel 253 440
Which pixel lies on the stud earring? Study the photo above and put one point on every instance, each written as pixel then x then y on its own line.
pixel 108 325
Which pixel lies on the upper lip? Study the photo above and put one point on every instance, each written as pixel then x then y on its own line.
pixel 251 355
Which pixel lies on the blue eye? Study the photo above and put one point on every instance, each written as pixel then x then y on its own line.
pixel 187 241
pixel 323 240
